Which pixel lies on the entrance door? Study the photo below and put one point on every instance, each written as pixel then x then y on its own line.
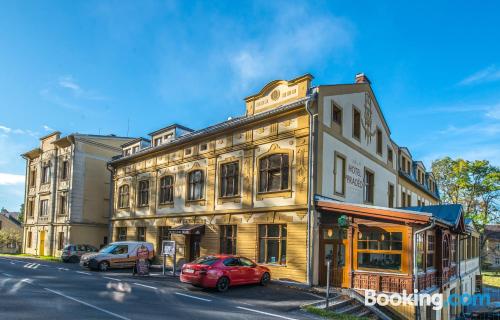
pixel 194 247
pixel 42 243
pixel 334 245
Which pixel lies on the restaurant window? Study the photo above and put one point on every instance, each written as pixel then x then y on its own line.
pixel 390 155
pixel 44 208
pixel 196 185
pixel 369 186
pixel 229 179
pixel 60 242
pixel 379 141
pixel 420 252
pixel 340 171
pixel 272 243
pixel 45 174
pixel 390 195
pixel 379 249
pixel 336 114
pixel 63 203
pixel 228 234
pixel 446 251
pixel 33 178
pixel 431 247
pixel 121 234
pixel 167 189
pixel 453 249
pixel 273 172
pixel 143 194
pixel 141 234
pixel 30 239
pixel 123 196
pixel 64 170
pixel 163 235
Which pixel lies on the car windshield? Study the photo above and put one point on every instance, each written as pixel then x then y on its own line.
pixel 108 249
pixel 208 260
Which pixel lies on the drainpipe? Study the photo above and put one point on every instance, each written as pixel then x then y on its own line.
pixel 26 192
pixel 310 192
pixel 111 202
pixel 415 268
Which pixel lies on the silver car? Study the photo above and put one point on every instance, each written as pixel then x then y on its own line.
pixel 122 254
pixel 73 252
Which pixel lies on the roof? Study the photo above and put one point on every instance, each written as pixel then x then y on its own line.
pixel 170 127
pixel 450 214
pixel 131 142
pixel 10 216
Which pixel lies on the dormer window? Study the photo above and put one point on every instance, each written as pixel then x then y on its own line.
pixel 157 142
pixel 127 152
pixel 169 136
pixel 135 149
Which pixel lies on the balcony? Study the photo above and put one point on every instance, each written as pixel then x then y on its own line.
pixel 382 282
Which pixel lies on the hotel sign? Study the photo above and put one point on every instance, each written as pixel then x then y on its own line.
pixel 354 175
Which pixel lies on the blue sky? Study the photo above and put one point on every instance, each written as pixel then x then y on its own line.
pixel 94 66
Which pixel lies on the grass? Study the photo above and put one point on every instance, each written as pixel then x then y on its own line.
pixel 327 314
pixel 491 278
pixel 25 255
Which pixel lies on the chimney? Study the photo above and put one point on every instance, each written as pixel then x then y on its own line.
pixel 362 78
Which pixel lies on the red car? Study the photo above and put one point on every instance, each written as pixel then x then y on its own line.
pixel 222 271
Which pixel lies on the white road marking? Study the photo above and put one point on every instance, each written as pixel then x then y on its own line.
pixel 87 304
pixel 193 297
pixel 143 285
pixel 83 272
pixel 27 280
pixel 266 313
pixel 12 262
pixel 114 279
pixel 7 275
pixel 63 269
pixel 32 265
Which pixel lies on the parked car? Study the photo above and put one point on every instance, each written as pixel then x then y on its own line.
pixel 122 254
pixel 223 271
pixel 73 252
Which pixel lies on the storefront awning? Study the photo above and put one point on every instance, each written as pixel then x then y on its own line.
pixel 189 229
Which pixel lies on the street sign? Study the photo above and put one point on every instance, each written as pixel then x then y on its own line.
pixel 168 248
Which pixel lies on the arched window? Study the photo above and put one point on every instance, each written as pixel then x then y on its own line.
pixel 195 185
pixel 143 194
pixel 446 251
pixel 166 189
pixel 273 172
pixel 123 196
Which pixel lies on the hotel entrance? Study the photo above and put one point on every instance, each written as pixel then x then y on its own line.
pixel 192 239
pixel 42 244
pixel 334 246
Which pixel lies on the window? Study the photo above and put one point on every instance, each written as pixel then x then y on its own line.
pixel 379 141
pixel 123 196
pixel 497 246
pixel 188 151
pixel 229 179
pixel 453 249
pixel 272 243
pixel 196 185
pixel 336 114
pixel 143 195
pixel 44 208
pixel 446 252
pixel 497 260
pixel 430 250
pixel 60 242
pixel 0 225
pixel 419 203
pixel 408 200
pixel 403 199
pixel 127 152
pixel 356 124
pixel 203 147
pixel 33 178
pixel 469 248
pixel 273 172
pixel 463 243
pixel 369 186
pixel 167 189
pixel 63 203
pixel 121 233
pixel 228 239
pixel 379 249
pixel 163 235
pixel 390 155
pixel 31 207
pixel 340 170
pixel 30 239
pixel 64 170
pixel 45 174
pixel 157 142
pixel 390 195
pixel 141 234
pixel 420 252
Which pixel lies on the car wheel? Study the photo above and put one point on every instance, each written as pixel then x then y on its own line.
pixel 265 279
pixel 73 259
pixel 103 266
pixel 222 284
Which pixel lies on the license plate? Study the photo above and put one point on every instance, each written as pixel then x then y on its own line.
pixel 188 271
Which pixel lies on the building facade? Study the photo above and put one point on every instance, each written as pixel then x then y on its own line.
pixel 12 230
pixel 491 248
pixel 68 191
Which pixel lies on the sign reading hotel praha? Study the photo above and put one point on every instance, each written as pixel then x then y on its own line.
pixel 354 175
pixel 142 263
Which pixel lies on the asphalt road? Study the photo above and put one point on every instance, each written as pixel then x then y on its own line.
pixel 31 289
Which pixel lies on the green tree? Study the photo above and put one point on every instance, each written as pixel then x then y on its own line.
pixel 20 217
pixel 10 238
pixel 473 184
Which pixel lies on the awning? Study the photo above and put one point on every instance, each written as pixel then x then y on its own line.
pixel 189 229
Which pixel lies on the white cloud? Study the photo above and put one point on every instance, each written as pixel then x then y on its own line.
pixel 494 112
pixel 489 74
pixel 69 83
pixel 11 179
pixel 47 128
pixel 5 129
